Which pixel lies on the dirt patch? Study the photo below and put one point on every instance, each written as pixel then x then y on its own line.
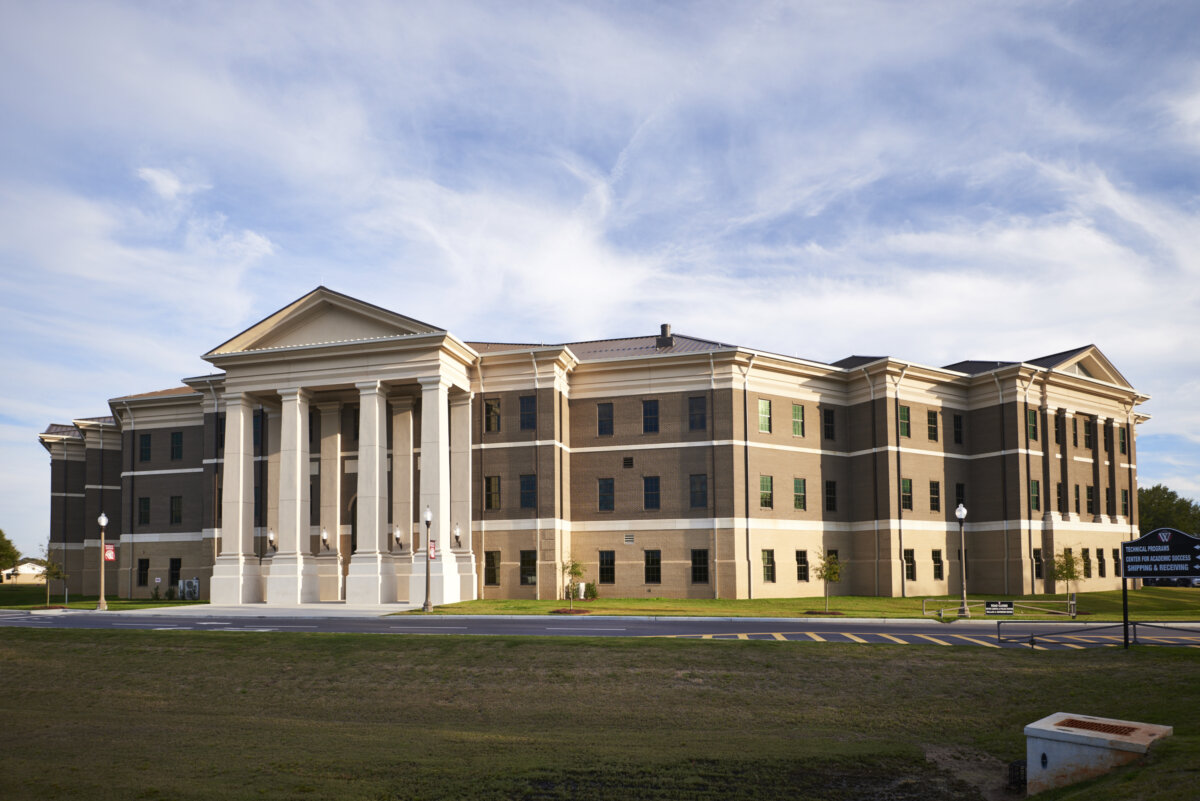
pixel 570 612
pixel 822 612
pixel 982 771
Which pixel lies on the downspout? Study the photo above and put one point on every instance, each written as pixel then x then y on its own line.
pixel 900 485
pixel 482 478
pixel 537 478
pixel 132 494
pixel 874 474
pixel 746 469
pixel 1003 483
pixel 712 461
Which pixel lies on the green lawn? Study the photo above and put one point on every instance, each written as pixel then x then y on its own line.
pixel 1149 603
pixel 183 715
pixel 33 596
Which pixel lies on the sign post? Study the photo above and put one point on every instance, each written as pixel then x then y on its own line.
pixel 1163 553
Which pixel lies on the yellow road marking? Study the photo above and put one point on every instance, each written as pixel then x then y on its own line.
pixel 976 641
pixel 933 639
pixel 894 639
pixel 815 636
pixel 853 637
pixel 778 636
pixel 743 636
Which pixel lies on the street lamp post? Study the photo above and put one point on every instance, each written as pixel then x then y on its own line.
pixel 428 555
pixel 103 521
pixel 961 514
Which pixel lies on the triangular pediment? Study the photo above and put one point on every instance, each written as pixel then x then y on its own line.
pixel 1087 362
pixel 322 317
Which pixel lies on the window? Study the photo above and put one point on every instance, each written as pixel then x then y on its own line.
pixel 653 567
pixel 910 565
pixel 143 577
pixel 604 419
pixel 605 495
pixel 1037 563
pixel 1057 429
pixel 1100 567
pixel 1087 563
pixel 797 420
pixel 905 424
pixel 935 496
pixel 1060 500
pixel 173 574
pixel 528 412
pixel 906 493
pixel 491 493
pixel 800 494
pixel 176 446
pixel 176 509
pixel 1122 440
pixel 491 568
pixel 528 492
pixel 766 492
pixel 258 427
pixel 1108 439
pixel 697 414
pixel 258 505
pixel 699 565
pixel 1035 495
pixel 768 557
pixel 1076 499
pixel 931 420
pixel 491 421
pixel 650 496
pixel 608 567
pixel 1075 432
pixel 830 496
pixel 143 447
pixel 1124 503
pixel 1091 499
pixel 960 495
pixel 698 491
pixel 220 431
pixel 1109 506
pixel 829 424
pixel 528 568
pixel 1031 424
pixel 1117 562
pixel 764 416
pixel 939 567
pixel 1089 434
pixel 801 565
pixel 958 429
pixel 649 417
pixel 143 517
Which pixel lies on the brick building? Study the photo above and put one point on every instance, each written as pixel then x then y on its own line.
pixel 668 465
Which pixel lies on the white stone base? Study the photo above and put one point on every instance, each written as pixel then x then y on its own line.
pixel 371 580
pixel 235 581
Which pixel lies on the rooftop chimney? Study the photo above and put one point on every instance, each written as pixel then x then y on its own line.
pixel 665 340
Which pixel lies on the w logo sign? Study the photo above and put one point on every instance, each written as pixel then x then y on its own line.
pixel 1164 536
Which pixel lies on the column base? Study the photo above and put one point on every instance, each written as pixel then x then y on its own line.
pixel 445 581
pixel 235 581
pixel 371 580
pixel 327 569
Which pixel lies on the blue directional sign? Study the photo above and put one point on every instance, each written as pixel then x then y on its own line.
pixel 1163 553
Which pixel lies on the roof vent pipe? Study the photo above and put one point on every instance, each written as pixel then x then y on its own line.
pixel 665 340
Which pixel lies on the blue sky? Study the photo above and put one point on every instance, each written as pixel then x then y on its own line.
pixel 935 181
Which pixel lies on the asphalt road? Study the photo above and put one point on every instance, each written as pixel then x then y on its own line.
pixel 985 634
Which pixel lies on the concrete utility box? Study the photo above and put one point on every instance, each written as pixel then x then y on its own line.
pixel 1065 748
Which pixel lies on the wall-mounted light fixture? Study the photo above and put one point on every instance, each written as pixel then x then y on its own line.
pixel 399 540
pixel 325 539
pixel 457 537
pixel 271 539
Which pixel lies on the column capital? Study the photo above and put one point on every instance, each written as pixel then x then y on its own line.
pixel 433 382
pixel 370 387
pixel 329 406
pixel 293 393
pixel 461 399
pixel 401 403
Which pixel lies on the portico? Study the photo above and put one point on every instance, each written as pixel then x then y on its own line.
pixel 300 361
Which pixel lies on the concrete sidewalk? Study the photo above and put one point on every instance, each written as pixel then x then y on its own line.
pixel 330 609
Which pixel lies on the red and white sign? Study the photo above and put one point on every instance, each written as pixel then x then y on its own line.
pixel 432 550
pixel 110 552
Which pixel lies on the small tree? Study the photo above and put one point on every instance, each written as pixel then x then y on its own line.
pixel 1068 567
pixel 54 572
pixel 829 570
pixel 572 572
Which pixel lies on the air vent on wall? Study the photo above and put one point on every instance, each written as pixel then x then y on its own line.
pixel 629 539
pixel 628 462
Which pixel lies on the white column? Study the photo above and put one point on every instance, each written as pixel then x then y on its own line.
pixel 460 491
pixel 372 579
pixel 236 578
pixel 402 478
pixel 435 496
pixel 330 556
pixel 291 581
